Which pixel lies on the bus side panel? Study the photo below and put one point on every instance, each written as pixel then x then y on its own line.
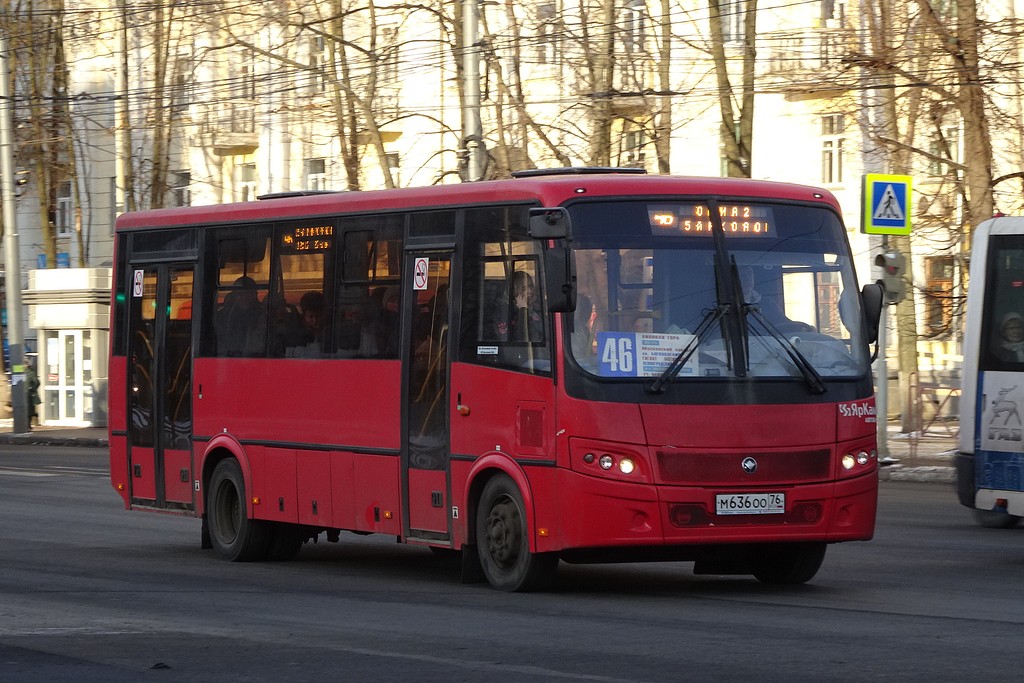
pixel 999 455
pixel 430 513
pixel 178 476
pixel 119 474
pixel 117 420
pixel 351 404
pixel 313 488
pixel 496 402
pixel 274 483
pixel 376 498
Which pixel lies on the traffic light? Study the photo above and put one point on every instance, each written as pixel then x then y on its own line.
pixel 893 265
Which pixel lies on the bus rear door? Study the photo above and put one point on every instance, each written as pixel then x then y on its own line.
pixel 160 385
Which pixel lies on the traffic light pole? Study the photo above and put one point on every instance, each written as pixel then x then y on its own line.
pixel 882 384
pixel 882 377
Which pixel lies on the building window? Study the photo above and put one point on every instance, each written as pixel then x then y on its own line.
pixel 546 32
pixel 180 193
pixel 247 75
pixel 246 182
pixel 938 300
pixel 635 29
pixel 833 10
pixel 731 13
pixel 64 220
pixel 183 85
pixel 317 64
pixel 387 68
pixel 394 162
pixel 633 152
pixel 944 145
pixel 832 129
pixel 316 174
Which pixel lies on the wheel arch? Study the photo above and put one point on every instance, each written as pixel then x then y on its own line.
pixel 220 448
pixel 483 470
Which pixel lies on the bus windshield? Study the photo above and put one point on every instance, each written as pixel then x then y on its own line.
pixel 655 289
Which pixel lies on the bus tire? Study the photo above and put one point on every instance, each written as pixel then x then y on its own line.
pixel 502 540
pixel 789 563
pixel 990 519
pixel 234 536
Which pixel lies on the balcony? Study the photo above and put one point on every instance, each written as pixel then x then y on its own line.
pixel 229 128
pixel 807 61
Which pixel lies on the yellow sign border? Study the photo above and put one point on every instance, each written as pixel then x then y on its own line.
pixel 867 225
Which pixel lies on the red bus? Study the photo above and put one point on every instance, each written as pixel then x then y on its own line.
pixel 580 365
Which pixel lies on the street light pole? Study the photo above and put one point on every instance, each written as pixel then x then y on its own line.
pixel 12 256
pixel 472 128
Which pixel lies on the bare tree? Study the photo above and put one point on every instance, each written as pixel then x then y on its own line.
pixel 737 107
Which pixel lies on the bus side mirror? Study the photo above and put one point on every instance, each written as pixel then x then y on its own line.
pixel 560 279
pixel 550 224
pixel 872 297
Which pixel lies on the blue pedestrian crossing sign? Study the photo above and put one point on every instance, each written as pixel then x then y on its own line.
pixel 886 204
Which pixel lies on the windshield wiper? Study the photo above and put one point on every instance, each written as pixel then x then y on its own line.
pixel 814 380
pixel 677 364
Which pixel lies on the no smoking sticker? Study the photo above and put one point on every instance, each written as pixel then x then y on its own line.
pixel 419 273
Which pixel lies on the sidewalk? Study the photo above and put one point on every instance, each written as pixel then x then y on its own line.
pixel 54 436
pixel 919 457
pixel 912 457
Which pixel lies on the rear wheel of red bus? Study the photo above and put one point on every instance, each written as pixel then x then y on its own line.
pixel 234 536
pixel 788 563
pixel 502 538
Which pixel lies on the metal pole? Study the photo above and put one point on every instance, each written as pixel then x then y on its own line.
pixel 472 128
pixel 12 251
pixel 882 383
pixel 882 380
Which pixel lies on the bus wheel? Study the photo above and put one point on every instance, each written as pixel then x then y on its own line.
pixel 234 536
pixel 990 519
pixel 790 563
pixel 502 540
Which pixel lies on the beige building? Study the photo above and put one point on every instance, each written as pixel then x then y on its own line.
pixel 172 107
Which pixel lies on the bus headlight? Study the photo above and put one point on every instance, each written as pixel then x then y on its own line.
pixel 624 462
pixel 848 462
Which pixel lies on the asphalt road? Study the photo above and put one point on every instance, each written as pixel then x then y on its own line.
pixel 90 592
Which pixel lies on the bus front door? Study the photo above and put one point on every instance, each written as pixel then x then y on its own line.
pixel 425 450
pixel 160 386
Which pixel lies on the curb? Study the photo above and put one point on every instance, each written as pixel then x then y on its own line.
pixel 41 439
pixel 927 474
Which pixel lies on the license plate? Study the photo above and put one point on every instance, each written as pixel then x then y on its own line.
pixel 750 504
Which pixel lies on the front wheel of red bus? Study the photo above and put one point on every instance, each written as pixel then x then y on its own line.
pixel 502 539
pixel 234 536
pixel 788 563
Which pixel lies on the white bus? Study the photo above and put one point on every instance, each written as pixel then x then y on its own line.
pixel 990 458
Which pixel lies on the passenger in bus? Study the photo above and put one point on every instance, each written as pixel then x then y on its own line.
pixel 526 323
pixel 240 323
pixel 1011 338
pixel 306 337
pixel 769 305
pixel 583 328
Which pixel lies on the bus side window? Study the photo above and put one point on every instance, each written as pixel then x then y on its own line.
pixel 366 322
pixel 235 311
pixel 503 321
